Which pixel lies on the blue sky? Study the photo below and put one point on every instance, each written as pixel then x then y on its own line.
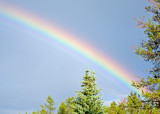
pixel 30 69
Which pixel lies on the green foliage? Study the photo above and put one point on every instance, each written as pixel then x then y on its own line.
pixel 62 108
pixel 47 108
pixel 113 108
pixel 149 50
pixel 106 109
pixel 122 107
pixel 134 104
pixel 88 100
pixel 70 105
pixel 116 109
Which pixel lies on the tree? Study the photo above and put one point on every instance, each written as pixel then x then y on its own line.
pixel 48 108
pixel 62 108
pixel 134 104
pixel 149 50
pixel 88 100
pixel 116 109
pixel 113 108
pixel 106 109
pixel 122 106
pixel 70 104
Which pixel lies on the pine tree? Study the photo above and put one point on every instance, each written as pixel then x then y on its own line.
pixel 62 108
pixel 48 108
pixel 149 50
pixel 88 100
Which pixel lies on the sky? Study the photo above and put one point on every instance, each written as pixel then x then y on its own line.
pixel 32 68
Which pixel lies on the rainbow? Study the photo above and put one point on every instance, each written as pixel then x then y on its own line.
pixel 70 41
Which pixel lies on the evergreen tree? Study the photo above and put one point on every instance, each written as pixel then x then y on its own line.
pixel 48 108
pixel 117 109
pixel 70 104
pixel 149 50
pixel 134 104
pixel 106 109
pixel 113 108
pixel 88 100
pixel 62 108
pixel 122 106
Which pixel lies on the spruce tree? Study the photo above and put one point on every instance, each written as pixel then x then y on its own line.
pixel 89 101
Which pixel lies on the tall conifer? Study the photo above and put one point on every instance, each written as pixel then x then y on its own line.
pixel 89 101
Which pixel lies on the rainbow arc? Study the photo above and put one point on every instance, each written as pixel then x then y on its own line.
pixel 56 34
